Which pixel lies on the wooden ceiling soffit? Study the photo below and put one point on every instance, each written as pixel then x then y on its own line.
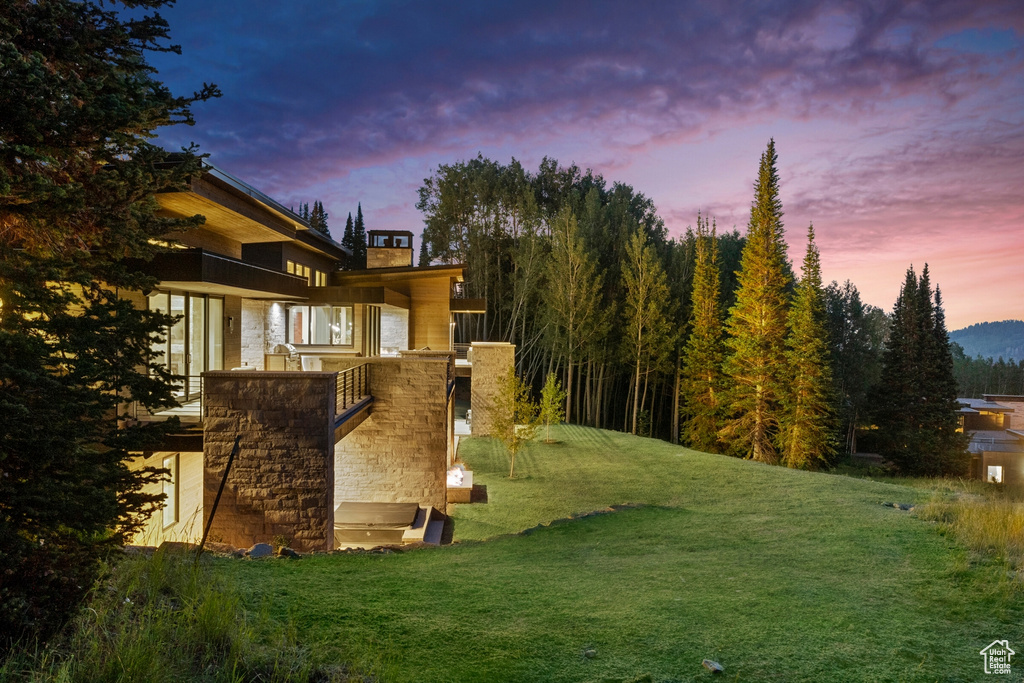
pixel 380 296
pixel 228 212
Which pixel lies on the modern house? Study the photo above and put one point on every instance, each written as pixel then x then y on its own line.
pixel 338 383
pixel 995 424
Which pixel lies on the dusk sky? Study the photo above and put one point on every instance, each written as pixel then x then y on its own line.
pixel 899 125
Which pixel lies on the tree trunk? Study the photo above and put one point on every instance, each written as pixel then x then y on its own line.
pixel 636 394
pixel 675 404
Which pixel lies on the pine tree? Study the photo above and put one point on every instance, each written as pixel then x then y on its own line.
pixel 916 397
pixel 359 240
pixel 77 182
pixel 806 437
pixel 701 388
pixel 424 259
pixel 318 219
pixel 756 364
pixel 348 239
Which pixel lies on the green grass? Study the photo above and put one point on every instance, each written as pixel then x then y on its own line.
pixel 164 619
pixel 779 575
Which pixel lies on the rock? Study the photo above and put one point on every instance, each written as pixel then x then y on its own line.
pixel 260 550
pixel 176 547
pixel 288 552
pixel 590 654
pixel 712 666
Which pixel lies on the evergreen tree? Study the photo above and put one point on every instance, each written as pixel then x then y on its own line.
pixel 648 337
pixel 916 396
pixel 424 259
pixel 318 219
pixel 704 351
pixel 756 365
pixel 856 333
pixel 806 437
pixel 359 240
pixel 77 179
pixel 348 239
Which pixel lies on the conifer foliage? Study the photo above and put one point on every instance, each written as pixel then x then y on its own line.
pixel 916 397
pixel 77 179
pixel 806 439
pixel 348 238
pixel 317 218
pixel 756 365
pixel 702 357
pixel 359 240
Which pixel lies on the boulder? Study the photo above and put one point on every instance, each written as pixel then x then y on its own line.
pixel 260 550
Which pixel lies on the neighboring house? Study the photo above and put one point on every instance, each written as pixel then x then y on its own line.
pixel 338 382
pixel 995 424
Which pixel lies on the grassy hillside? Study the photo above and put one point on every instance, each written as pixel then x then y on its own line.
pixel 778 575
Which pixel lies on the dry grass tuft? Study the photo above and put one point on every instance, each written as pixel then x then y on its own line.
pixel 990 524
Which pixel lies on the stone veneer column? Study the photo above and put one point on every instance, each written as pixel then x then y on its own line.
pixel 282 480
pixel 491 360
pixel 399 454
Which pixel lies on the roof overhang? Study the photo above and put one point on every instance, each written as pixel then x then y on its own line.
pixel 355 278
pixel 380 296
pixel 197 270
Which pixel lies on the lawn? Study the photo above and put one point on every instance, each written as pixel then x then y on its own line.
pixel 779 575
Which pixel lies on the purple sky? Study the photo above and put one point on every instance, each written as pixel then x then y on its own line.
pixel 899 125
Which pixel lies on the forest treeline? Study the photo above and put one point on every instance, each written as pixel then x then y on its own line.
pixel 582 276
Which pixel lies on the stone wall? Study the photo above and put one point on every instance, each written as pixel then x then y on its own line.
pixel 400 453
pixel 394 328
pixel 282 480
pixel 491 360
pixel 391 257
pixel 253 341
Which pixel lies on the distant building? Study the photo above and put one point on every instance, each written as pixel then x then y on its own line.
pixel 995 424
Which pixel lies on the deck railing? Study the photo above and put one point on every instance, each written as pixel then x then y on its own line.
pixel 462 351
pixel 189 402
pixel 353 386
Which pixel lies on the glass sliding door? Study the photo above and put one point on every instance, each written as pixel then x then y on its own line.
pixel 196 351
pixel 194 343
pixel 178 340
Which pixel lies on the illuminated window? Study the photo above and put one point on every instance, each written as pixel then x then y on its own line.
pixel 320 325
pixel 321 279
pixel 170 486
pixel 995 474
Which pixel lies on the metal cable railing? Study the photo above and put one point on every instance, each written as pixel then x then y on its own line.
pixel 353 385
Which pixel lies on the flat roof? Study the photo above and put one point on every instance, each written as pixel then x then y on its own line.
pixel 979 404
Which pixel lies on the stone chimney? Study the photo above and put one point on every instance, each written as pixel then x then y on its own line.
pixel 389 249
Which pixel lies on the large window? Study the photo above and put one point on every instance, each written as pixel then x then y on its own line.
pixel 195 342
pixel 328 325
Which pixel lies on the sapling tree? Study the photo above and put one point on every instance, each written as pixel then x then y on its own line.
pixel 514 421
pixel 552 398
